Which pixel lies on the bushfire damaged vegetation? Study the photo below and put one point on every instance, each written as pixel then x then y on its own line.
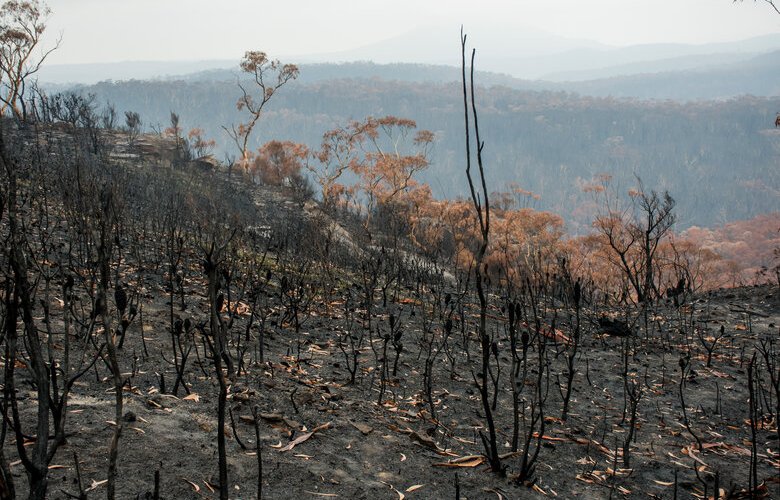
pixel 174 327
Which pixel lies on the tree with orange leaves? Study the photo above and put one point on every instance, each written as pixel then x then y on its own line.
pixel 199 144
pixel 391 158
pixel 384 153
pixel 335 156
pixel 444 230
pixel 524 244
pixel 280 163
pixel 684 258
pixel 22 24
pixel 269 76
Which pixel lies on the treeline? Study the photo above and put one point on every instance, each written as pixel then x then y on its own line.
pixel 404 72
pixel 717 158
pixel 757 76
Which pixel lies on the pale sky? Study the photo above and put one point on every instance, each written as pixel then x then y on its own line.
pixel 133 30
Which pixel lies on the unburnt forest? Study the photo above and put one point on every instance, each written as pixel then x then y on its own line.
pixel 176 327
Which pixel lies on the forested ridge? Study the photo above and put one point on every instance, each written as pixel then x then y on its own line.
pixel 718 158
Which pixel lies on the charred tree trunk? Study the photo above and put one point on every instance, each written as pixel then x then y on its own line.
pixel 483 217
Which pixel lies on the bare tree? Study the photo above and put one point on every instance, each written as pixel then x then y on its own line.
pixel 132 126
pixel 657 215
pixel 483 217
pixel 770 2
pixel 634 234
pixel 216 241
pixel 108 218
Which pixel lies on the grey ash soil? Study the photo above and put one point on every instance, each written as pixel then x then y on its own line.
pixel 393 450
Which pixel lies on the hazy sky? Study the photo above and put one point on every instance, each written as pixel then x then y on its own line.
pixel 126 30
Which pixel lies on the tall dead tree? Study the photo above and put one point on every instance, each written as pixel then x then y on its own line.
pixel 215 242
pixel 104 251
pixel 480 197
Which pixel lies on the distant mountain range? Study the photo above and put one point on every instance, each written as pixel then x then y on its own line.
pixel 758 76
pixel 68 74
pixel 683 79
pixel 673 71
pixel 541 56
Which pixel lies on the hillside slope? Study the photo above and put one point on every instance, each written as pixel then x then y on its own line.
pixel 236 316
